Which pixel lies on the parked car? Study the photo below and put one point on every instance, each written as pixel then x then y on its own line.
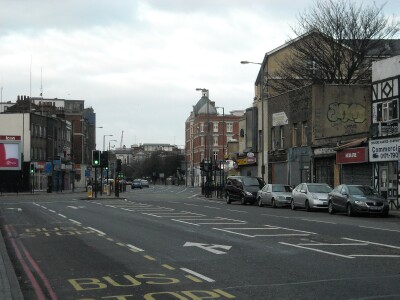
pixel 311 196
pixel 241 188
pixel 275 195
pixel 145 183
pixel 136 184
pixel 354 199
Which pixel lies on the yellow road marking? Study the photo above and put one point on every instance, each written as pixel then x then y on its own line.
pixel 195 279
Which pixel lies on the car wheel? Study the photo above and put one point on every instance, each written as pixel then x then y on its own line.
pixel 292 206
pixel 243 200
pixel 273 203
pixel 331 210
pixel 228 199
pixel 349 210
pixel 307 206
pixel 259 202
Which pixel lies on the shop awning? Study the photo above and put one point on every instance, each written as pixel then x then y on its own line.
pixel 354 143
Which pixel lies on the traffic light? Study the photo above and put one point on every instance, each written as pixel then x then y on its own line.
pixel 202 165
pixel 119 165
pixel 95 157
pixel 104 159
pixel 32 168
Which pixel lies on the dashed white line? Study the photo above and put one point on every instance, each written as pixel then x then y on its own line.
pixel 198 275
pixel 76 222
pixel 240 211
pixel 62 216
pixel 376 228
pixel 53 211
pixel 98 231
pixel 136 249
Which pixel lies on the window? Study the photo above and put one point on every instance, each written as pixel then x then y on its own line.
pixel 215 126
pixel 304 134
pixel 202 140
pixel 215 137
pixel 281 137
pixel 229 127
pixel 215 154
pixel 294 135
pixel 201 127
pixel 387 111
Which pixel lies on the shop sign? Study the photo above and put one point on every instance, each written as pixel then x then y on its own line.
pixel 324 151
pixel 352 156
pixel 384 150
pixel 10 137
pixel 246 161
pixel 40 165
pixel 388 128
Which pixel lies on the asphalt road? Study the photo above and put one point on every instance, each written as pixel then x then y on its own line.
pixel 168 242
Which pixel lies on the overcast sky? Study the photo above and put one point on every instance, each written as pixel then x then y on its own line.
pixel 138 62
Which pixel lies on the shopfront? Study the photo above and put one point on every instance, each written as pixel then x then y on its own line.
pixel 384 153
pixel 354 166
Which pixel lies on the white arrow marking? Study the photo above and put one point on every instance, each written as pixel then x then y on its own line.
pixel 211 248
pixel 18 209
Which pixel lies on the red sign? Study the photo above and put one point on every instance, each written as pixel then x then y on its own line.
pixel 10 137
pixel 352 156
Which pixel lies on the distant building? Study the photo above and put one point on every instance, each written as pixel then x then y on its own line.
pixel 204 142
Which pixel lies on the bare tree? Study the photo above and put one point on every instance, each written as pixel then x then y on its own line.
pixel 336 41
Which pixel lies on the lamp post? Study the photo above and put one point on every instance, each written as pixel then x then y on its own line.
pixel 223 145
pixel 207 148
pixel 264 167
pixel 104 140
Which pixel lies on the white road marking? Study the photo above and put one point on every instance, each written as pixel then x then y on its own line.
pixel 76 222
pixel 310 220
pixel 195 195
pixel 62 216
pixel 98 231
pixel 198 275
pixel 376 228
pixel 213 248
pixel 316 250
pixel 240 211
pixel 372 243
pixel 52 210
pixel 387 256
pixel 136 249
pixel 212 207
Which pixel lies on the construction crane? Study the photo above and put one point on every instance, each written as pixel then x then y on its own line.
pixel 122 139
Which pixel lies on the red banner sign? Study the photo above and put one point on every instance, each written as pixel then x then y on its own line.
pixel 352 156
pixel 10 137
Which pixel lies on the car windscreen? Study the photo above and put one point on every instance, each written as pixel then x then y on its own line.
pixel 362 190
pixel 281 188
pixel 251 181
pixel 319 188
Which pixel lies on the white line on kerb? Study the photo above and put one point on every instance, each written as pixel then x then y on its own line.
pixel 98 231
pixel 198 275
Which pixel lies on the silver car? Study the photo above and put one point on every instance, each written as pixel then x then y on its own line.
pixel 311 196
pixel 274 195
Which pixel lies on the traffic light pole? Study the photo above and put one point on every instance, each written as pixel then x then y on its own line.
pixel 95 182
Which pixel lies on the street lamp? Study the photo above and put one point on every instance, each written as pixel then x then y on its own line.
pixel 104 140
pixel 109 146
pixel 263 167
pixel 223 141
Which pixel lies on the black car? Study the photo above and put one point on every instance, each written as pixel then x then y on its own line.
pixel 242 188
pixel 354 199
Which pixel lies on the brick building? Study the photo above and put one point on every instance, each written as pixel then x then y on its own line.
pixel 204 142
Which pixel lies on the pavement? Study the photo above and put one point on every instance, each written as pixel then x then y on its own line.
pixel 9 285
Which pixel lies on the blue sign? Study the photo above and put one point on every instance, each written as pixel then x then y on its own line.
pixel 48 168
pixel 87 173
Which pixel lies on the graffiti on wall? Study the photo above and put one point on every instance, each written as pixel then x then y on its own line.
pixel 346 116
pixel 343 112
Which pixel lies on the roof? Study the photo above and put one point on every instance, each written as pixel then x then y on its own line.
pixel 201 107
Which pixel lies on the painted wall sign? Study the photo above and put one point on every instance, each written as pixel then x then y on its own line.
pixel 384 150
pixel 279 119
pixel 352 156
